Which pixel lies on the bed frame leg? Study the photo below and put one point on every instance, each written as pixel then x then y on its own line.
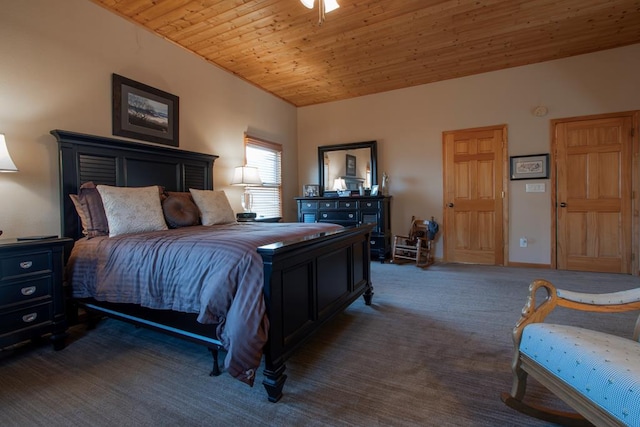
pixel 368 295
pixel 216 367
pixel 274 381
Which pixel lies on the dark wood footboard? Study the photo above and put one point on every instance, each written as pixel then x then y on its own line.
pixel 307 282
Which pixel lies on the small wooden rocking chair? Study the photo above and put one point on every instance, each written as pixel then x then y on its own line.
pixel 415 247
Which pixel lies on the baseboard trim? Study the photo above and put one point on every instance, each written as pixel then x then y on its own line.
pixel 528 265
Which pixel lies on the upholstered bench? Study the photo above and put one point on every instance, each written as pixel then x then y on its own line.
pixel 595 373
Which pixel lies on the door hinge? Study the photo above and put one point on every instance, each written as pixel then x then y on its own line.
pixel 503 194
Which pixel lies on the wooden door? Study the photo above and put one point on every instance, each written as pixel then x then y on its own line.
pixel 594 193
pixel 474 195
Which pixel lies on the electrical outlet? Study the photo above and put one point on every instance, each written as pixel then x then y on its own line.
pixel 523 242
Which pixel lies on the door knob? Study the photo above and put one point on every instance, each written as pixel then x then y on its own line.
pixel 563 205
pixel 450 205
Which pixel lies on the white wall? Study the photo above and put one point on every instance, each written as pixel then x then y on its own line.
pixel 58 57
pixel 408 126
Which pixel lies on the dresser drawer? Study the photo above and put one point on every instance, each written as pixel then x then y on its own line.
pixel 306 205
pixel 339 216
pixel 25 291
pixel 26 318
pixel 24 264
pixel 369 205
pixel 328 204
pixel 347 204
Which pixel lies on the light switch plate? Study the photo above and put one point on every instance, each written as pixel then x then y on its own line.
pixel 535 188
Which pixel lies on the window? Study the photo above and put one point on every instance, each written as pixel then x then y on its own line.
pixel 267 157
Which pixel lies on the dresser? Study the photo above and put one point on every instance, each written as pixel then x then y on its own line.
pixel 350 211
pixel 32 297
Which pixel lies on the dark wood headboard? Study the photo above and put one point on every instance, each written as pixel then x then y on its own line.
pixel 123 163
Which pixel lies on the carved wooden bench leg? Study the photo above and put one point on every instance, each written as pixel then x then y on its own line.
pixel 215 371
pixel 273 382
pixel 514 401
pixel 569 419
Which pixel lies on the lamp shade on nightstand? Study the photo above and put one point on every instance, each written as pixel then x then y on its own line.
pixel 6 163
pixel 247 176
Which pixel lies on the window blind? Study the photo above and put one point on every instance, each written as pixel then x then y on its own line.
pixel 267 157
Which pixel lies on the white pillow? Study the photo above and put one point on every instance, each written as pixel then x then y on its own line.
pixel 132 209
pixel 214 207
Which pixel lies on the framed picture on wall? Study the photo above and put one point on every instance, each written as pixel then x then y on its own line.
pixel 535 166
pixel 143 112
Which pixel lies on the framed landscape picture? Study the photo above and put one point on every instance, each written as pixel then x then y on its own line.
pixel 143 112
pixel 535 166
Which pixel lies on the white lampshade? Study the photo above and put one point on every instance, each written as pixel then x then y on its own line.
pixel 247 176
pixel 329 5
pixel 339 184
pixel 6 164
pixel 308 3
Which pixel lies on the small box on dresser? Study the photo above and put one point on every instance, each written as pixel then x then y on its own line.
pixel 32 296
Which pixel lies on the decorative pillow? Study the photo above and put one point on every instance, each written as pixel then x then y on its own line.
pixel 214 207
pixel 91 212
pixel 82 213
pixel 132 209
pixel 180 210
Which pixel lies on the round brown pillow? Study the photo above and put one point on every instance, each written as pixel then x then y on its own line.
pixel 180 212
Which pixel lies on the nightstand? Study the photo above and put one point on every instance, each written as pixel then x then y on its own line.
pixel 31 290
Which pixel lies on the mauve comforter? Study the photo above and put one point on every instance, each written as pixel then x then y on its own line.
pixel 213 271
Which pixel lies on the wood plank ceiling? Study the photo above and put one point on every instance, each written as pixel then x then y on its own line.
pixel 372 46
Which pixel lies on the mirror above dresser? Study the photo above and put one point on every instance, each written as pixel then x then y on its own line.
pixel 347 167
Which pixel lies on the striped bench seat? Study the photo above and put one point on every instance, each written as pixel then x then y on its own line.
pixel 603 368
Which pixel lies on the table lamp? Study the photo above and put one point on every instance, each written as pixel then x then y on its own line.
pixel 248 176
pixel 6 163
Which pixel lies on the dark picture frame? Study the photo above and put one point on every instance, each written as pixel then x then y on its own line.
pixel 144 112
pixel 351 165
pixel 534 166
pixel 311 190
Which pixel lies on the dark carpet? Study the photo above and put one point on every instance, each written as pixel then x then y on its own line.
pixel 433 350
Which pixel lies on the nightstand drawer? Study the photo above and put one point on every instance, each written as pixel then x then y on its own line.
pixel 25 291
pixel 27 263
pixel 26 318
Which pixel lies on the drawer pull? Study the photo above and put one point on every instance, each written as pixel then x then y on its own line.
pixel 28 318
pixel 348 205
pixel 373 242
pixel 29 290
pixel 26 264
pixel 368 204
pixel 324 215
pixel 308 205
pixel 327 205
pixel 350 215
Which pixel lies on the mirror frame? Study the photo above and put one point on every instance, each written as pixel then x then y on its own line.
pixel 371 145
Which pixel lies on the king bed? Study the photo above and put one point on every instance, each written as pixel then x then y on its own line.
pixel 285 281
